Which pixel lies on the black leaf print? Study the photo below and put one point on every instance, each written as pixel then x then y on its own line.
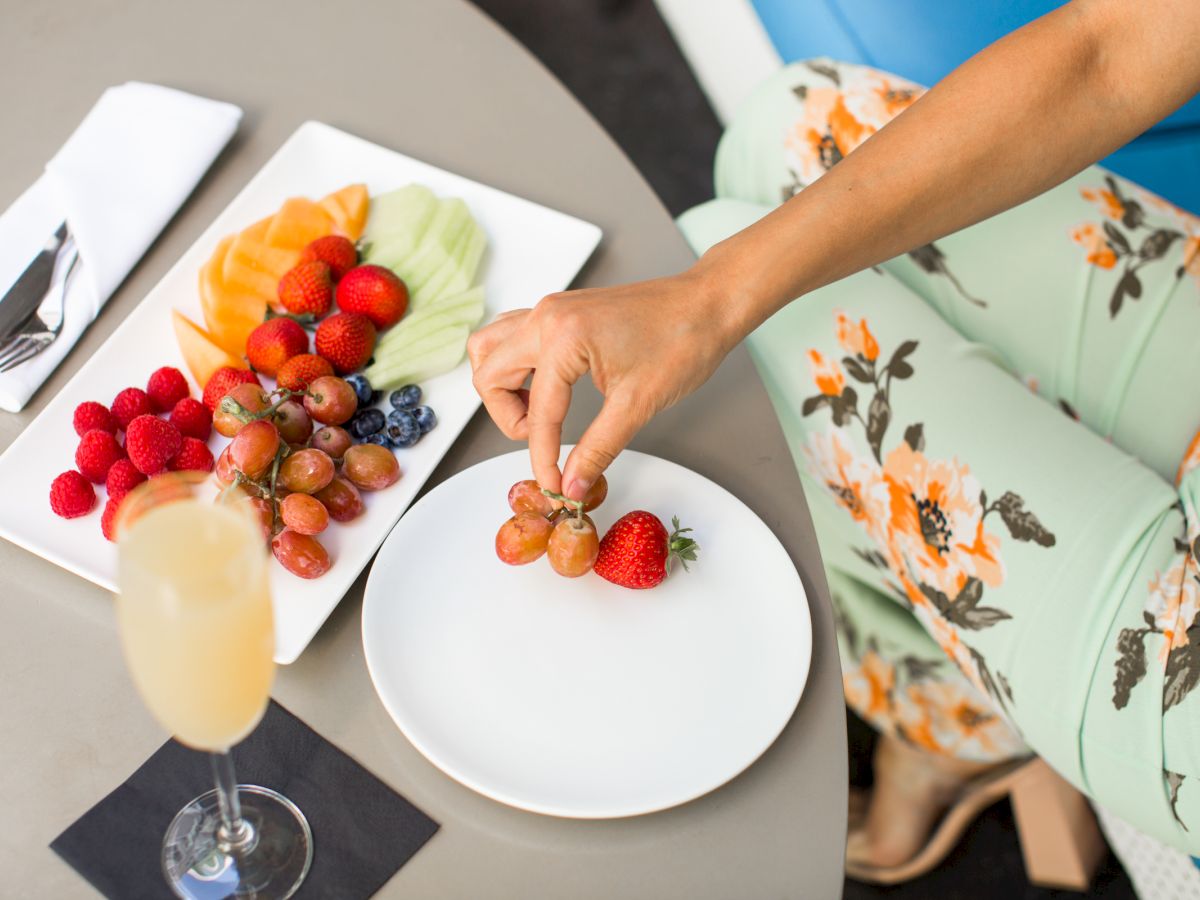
pixel 1117 240
pixel 904 350
pixel 932 260
pixel 857 370
pixel 828 71
pixel 964 610
pixel 939 600
pixel 914 436
pixel 982 617
pixel 1022 523
pixel 1068 409
pixel 1148 618
pixel 1196 548
pixel 920 669
pixel 801 92
pixel 1131 664
pixel 845 626
pixel 1174 782
pixel 879 414
pixel 989 684
pixel 872 557
pixel 1157 243
pixel 812 404
pixel 1129 286
pixel 1182 674
pixel 971 594
pixel 844 407
pixel 1004 685
pixel 901 370
pixel 1181 546
pixel 1134 215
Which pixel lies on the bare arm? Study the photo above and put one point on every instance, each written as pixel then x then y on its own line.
pixel 1018 118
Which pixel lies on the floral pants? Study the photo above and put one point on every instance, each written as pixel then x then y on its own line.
pixel 997 435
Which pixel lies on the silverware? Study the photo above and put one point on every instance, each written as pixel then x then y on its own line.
pixel 27 293
pixel 42 328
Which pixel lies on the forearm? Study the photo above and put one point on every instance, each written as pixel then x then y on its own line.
pixel 1020 117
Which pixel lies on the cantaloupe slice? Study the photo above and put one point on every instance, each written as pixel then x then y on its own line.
pixel 201 353
pixel 230 315
pixel 298 223
pixel 348 209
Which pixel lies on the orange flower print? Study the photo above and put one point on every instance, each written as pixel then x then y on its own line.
pixel 856 482
pixel 937 522
pixel 856 340
pixel 1190 461
pixel 827 374
pixel 948 717
pixel 1092 239
pixel 1191 256
pixel 869 686
pixel 1174 603
pixel 1110 204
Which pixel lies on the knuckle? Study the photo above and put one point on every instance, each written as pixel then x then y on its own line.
pixel 596 458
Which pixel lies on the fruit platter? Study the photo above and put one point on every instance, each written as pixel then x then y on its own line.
pixel 308 351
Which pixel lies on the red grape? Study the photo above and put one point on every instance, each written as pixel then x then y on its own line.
pixel 342 499
pixel 595 494
pixel 250 396
pixel 253 449
pixel 224 468
pixel 293 422
pixel 522 539
pixel 300 554
pixel 573 546
pixel 527 496
pixel 306 472
pixel 333 439
pixel 371 467
pixel 304 514
pixel 330 400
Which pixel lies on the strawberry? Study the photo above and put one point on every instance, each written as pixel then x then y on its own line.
pixel 300 371
pixel 307 289
pixel 637 552
pixel 193 456
pixel 346 340
pixel 123 477
pixel 223 381
pixel 91 415
pixel 335 251
pixel 192 418
pixel 166 387
pixel 96 453
pixel 273 343
pixel 72 495
pixel 151 442
pixel 374 292
pixel 129 404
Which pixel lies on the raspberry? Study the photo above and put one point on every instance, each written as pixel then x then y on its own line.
pixel 298 372
pixel 108 518
pixel 193 456
pixel 192 418
pixel 72 495
pixel 123 477
pixel 129 404
pixel 91 415
pixel 150 443
pixel 166 387
pixel 223 381
pixel 96 453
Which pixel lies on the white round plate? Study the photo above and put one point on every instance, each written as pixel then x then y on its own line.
pixel 575 697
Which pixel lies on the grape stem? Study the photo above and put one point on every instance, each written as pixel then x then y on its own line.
pixel 577 504
pixel 243 415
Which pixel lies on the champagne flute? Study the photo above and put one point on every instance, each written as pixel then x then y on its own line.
pixel 194 613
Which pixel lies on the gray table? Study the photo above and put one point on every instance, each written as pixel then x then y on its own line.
pixel 441 82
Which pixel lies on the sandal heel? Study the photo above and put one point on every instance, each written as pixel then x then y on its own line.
pixel 1060 840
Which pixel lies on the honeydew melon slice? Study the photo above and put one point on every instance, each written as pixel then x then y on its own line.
pixel 397 222
pixel 463 274
pixel 446 272
pixel 437 353
pixel 445 229
pixel 466 309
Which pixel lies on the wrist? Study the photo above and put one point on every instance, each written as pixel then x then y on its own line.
pixel 725 294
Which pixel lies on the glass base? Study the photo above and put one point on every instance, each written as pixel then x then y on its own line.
pixel 268 864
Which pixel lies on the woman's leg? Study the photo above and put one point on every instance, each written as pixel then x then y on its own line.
pixel 1056 571
pixel 1090 292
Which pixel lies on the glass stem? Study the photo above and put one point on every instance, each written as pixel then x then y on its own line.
pixel 234 830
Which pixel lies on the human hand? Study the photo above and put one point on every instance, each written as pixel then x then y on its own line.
pixel 646 344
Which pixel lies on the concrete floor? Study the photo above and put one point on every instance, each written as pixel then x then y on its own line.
pixel 619 59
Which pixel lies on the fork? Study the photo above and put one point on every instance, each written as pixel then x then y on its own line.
pixel 41 329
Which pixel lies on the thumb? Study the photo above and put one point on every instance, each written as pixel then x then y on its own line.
pixel 609 434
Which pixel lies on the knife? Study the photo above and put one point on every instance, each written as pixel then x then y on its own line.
pixel 27 292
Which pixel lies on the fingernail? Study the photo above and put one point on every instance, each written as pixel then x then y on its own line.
pixel 576 488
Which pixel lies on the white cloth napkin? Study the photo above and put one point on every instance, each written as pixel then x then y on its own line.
pixel 117 181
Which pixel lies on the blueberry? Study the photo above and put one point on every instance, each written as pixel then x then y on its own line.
pixel 406 397
pixel 402 428
pixel 425 418
pixel 362 389
pixel 376 396
pixel 380 439
pixel 367 421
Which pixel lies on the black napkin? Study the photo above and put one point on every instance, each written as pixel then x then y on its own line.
pixel 363 831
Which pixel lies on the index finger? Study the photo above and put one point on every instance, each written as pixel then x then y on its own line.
pixel 549 400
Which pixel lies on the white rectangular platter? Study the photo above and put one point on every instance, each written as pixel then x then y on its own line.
pixel 533 251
